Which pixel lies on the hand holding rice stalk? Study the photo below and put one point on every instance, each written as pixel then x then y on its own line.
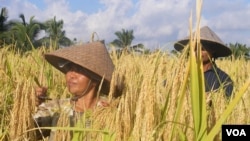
pixel 41 91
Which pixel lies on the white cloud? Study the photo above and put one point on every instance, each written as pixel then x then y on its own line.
pixel 155 22
pixel 230 20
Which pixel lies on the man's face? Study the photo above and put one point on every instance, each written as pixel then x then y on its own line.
pixel 77 79
pixel 206 56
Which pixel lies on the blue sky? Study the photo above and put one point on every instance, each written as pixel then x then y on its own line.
pixel 156 23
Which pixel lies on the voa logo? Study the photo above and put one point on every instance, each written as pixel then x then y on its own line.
pixel 236 132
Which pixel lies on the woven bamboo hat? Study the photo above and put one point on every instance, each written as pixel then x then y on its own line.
pixel 93 57
pixel 210 41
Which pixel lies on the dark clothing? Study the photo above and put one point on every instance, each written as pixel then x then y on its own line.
pixel 215 77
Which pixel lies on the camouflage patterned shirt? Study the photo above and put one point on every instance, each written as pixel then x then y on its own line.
pixel 47 113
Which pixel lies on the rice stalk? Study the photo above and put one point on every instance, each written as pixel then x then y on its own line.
pixel 21 115
pixel 228 110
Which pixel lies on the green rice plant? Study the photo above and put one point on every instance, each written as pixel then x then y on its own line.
pixel 161 96
pixel 180 102
pixel 147 109
pixel 228 110
pixel 106 136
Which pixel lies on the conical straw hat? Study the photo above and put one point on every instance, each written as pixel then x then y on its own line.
pixel 210 40
pixel 91 56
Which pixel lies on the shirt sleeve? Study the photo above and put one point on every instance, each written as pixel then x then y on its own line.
pixel 228 86
pixel 46 115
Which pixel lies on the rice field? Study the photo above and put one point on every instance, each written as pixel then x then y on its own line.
pixel 155 101
pixel 154 97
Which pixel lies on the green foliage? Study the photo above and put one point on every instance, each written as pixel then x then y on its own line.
pixel 228 111
pixel 240 50
pixel 123 43
pixel 54 31
pixel 24 35
pixel 3 19
pixel 124 39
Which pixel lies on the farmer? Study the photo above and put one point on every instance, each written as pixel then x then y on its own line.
pixel 87 69
pixel 212 48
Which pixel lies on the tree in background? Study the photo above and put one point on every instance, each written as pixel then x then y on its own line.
pixel 3 20
pixel 24 34
pixel 4 26
pixel 124 41
pixel 55 34
pixel 240 50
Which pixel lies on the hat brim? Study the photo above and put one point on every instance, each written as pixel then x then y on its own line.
pixel 93 57
pixel 220 49
pixel 60 64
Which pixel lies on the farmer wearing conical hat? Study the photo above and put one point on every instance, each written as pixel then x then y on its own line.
pixel 88 68
pixel 212 48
